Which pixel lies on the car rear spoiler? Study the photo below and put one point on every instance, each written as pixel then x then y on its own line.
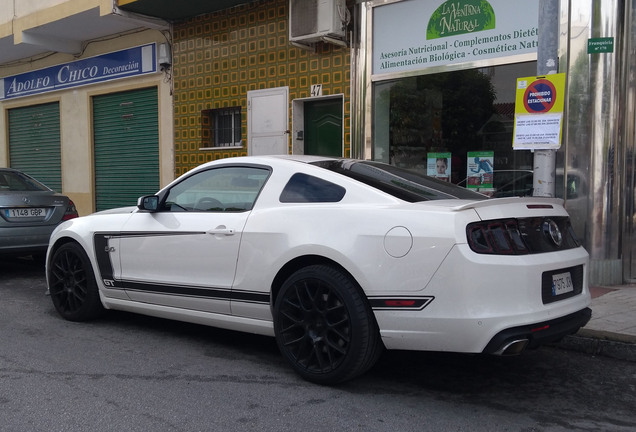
pixel 539 202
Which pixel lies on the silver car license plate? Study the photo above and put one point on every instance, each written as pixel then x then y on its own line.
pixel 18 213
pixel 562 283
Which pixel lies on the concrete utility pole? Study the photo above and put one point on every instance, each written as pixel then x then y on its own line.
pixel 547 63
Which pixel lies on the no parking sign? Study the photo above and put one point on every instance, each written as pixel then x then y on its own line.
pixel 539 112
pixel 539 97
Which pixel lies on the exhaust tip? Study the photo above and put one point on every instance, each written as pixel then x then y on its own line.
pixel 511 348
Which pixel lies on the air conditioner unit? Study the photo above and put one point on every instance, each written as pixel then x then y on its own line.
pixel 315 20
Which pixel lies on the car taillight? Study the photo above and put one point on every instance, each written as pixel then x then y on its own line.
pixel 71 211
pixel 500 237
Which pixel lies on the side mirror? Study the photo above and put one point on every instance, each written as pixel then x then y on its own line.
pixel 148 203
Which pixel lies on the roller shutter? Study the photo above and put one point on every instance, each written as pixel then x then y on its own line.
pixel 34 142
pixel 126 137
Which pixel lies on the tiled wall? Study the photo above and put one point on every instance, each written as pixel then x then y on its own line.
pixel 219 57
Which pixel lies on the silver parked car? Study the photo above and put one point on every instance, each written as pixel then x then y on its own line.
pixel 29 212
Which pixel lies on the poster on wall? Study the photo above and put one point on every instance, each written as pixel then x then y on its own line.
pixel 439 166
pixel 439 33
pixel 479 172
pixel 539 112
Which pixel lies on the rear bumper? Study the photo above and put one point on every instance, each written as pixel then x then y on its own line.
pixel 510 341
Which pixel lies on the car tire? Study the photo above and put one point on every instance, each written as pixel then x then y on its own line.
pixel 72 284
pixel 324 326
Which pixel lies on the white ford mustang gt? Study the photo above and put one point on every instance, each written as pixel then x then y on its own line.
pixel 335 258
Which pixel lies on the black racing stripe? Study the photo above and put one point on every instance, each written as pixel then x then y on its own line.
pixel 192 291
pixel 251 297
pixel 179 290
pixel 102 253
pixel 157 234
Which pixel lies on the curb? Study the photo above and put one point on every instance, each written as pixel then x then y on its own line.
pixel 601 343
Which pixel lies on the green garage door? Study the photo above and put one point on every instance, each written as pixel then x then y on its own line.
pixel 126 136
pixel 34 143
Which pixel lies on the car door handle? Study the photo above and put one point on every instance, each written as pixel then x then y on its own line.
pixel 222 230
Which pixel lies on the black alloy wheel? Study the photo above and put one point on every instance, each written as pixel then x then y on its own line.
pixel 324 326
pixel 72 284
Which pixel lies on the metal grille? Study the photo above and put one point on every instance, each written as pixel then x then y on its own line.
pixel 34 143
pixel 221 127
pixel 126 134
pixel 303 17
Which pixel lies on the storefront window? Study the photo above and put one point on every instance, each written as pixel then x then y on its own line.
pixel 457 126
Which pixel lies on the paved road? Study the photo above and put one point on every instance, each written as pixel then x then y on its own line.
pixel 127 372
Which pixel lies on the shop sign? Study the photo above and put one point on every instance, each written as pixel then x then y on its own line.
pixel 455 18
pixel 539 112
pixel 120 64
pixel 417 34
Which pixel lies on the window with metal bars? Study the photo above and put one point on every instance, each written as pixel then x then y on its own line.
pixel 221 127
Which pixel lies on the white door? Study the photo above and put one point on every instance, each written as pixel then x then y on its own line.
pixel 184 255
pixel 268 121
pixel 185 260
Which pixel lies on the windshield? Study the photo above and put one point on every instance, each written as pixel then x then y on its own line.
pixel 404 184
pixel 18 182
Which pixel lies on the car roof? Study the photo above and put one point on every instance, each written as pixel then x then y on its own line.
pixel 266 159
pixel 328 166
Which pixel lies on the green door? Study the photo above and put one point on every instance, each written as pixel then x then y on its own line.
pixel 323 127
pixel 34 143
pixel 126 137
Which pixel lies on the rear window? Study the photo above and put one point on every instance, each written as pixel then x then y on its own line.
pixel 303 188
pixel 404 184
pixel 18 182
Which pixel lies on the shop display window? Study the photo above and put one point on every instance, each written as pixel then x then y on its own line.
pixel 457 126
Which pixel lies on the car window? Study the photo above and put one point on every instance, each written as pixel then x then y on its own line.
pixel 513 183
pixel 228 189
pixel 303 188
pixel 14 181
pixel 410 186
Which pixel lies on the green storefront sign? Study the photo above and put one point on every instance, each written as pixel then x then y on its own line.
pixel 419 34
pixel 460 17
pixel 600 45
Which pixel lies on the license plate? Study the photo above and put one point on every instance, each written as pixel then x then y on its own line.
pixel 18 213
pixel 562 283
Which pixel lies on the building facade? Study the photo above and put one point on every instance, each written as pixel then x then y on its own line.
pixel 429 85
pixel 241 87
pixel 466 84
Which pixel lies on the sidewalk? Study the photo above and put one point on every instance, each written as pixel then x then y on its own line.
pixel 612 330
